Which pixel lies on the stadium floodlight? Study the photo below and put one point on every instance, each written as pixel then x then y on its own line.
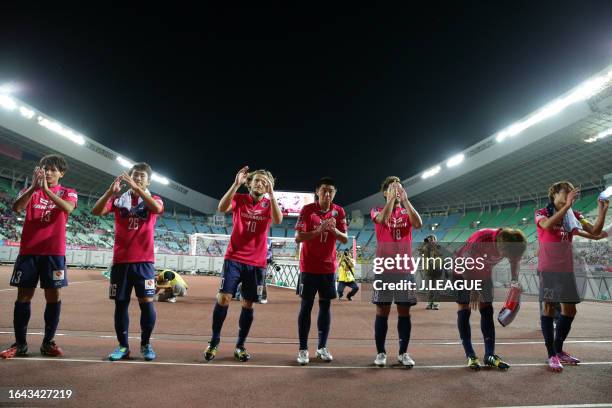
pixel 159 179
pixel 583 92
pixel 26 112
pixel 431 172
pixel 7 102
pixel 125 162
pixel 600 135
pixel 455 160
pixel 9 88
pixel 61 130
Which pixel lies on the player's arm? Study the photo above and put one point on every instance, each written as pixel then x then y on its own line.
pixel 65 206
pixel 24 198
pixel 152 204
pixel 301 236
pixel 413 215
pixel 383 216
pixel 277 213
pixel 341 236
pixel 557 218
pixel 225 205
pixel 100 207
pixel 588 235
pixel 595 229
pixel 515 266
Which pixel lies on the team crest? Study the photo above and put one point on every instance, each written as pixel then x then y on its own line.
pixel 58 275
pixel 334 213
pixel 149 284
pixel 404 211
pixel 264 204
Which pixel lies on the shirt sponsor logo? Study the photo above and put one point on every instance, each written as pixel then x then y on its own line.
pixel 252 215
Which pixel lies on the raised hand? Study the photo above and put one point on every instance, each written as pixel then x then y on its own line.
pixel 401 192
pixel 391 192
pixel 571 197
pixel 129 181
pixel 115 186
pixel 241 176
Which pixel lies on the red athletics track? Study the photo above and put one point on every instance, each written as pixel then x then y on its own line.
pixel 273 378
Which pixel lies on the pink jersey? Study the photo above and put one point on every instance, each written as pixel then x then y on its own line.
pixel 555 245
pixel 395 236
pixel 134 232
pixel 319 253
pixel 44 229
pixel 249 241
pixel 481 244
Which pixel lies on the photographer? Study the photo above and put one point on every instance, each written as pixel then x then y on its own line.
pixel 346 276
pixel 432 255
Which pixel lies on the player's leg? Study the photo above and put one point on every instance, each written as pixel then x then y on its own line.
pixel 252 286
pixel 564 325
pixel 549 291
pixel 327 292
pixel 307 290
pixel 404 327
pixel 53 276
pixel 120 291
pixel 487 326
pixel 25 278
pixel 144 285
pixel 465 331
pixel 230 278
pixel 381 326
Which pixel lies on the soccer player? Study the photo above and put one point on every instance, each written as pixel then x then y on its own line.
pixel 245 258
pixel 486 247
pixel 136 212
pixel 319 226
pixel 393 224
pixel 556 224
pixel 42 252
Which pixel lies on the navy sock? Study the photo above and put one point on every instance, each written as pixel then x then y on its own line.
pixel 52 317
pixel 21 318
pixel 122 321
pixel 324 321
pixel 304 322
pixel 549 334
pixel 488 329
pixel 564 325
pixel 465 332
pixel 404 325
pixel 147 322
pixel 244 325
pixel 219 314
pixel 380 332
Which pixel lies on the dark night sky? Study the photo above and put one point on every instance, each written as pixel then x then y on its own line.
pixel 354 93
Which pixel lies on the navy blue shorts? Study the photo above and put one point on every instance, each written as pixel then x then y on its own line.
pixel 124 277
pixel 462 296
pixel 401 297
pixel 50 269
pixel 251 277
pixel 558 287
pixel 312 283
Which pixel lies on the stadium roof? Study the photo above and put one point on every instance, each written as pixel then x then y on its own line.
pixel 27 134
pixel 566 139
